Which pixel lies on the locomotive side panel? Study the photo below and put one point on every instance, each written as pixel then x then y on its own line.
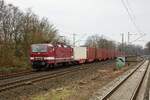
pixel 63 54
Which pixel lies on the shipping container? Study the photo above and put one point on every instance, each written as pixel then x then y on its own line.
pixel 105 54
pixel 80 54
pixel 113 54
pixel 99 54
pixel 91 54
pixel 109 54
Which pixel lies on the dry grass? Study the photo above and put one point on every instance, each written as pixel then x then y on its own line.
pixel 57 94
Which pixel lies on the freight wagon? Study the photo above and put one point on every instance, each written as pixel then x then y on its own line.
pixel 80 54
pixel 91 54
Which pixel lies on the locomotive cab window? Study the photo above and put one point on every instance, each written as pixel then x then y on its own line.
pixel 50 48
pixel 39 48
pixel 59 45
pixel 65 46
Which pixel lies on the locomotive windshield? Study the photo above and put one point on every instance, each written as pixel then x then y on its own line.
pixel 39 48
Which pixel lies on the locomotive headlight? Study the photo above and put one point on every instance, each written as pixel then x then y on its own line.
pixel 48 58
pixel 43 63
pixel 31 58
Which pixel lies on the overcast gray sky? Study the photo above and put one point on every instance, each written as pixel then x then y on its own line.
pixel 107 17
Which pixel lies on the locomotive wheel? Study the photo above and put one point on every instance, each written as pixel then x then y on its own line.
pixel 47 67
pixel 38 69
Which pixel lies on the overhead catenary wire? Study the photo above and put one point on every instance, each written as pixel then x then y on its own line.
pixel 138 38
pixel 131 16
pixel 81 38
pixel 130 8
pixel 133 19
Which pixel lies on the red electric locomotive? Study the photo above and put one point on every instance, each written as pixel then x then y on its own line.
pixel 47 55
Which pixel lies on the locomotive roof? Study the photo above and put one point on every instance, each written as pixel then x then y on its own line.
pixel 49 44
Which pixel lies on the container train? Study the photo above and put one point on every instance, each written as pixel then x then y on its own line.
pixel 49 55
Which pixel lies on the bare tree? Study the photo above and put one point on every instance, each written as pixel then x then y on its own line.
pixel 131 49
pixel 148 46
pixel 18 30
pixel 99 42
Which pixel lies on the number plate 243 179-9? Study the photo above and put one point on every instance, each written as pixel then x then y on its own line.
pixel 39 58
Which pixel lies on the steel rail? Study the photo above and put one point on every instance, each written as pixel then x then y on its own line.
pixel 17 74
pixel 115 88
pixel 27 81
pixel 23 73
pixel 140 83
pixel 18 83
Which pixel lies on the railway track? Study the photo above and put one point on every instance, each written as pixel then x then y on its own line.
pixel 37 77
pixel 28 81
pixel 16 74
pixel 25 72
pixel 129 87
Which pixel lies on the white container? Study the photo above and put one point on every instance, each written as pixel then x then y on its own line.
pixel 79 53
